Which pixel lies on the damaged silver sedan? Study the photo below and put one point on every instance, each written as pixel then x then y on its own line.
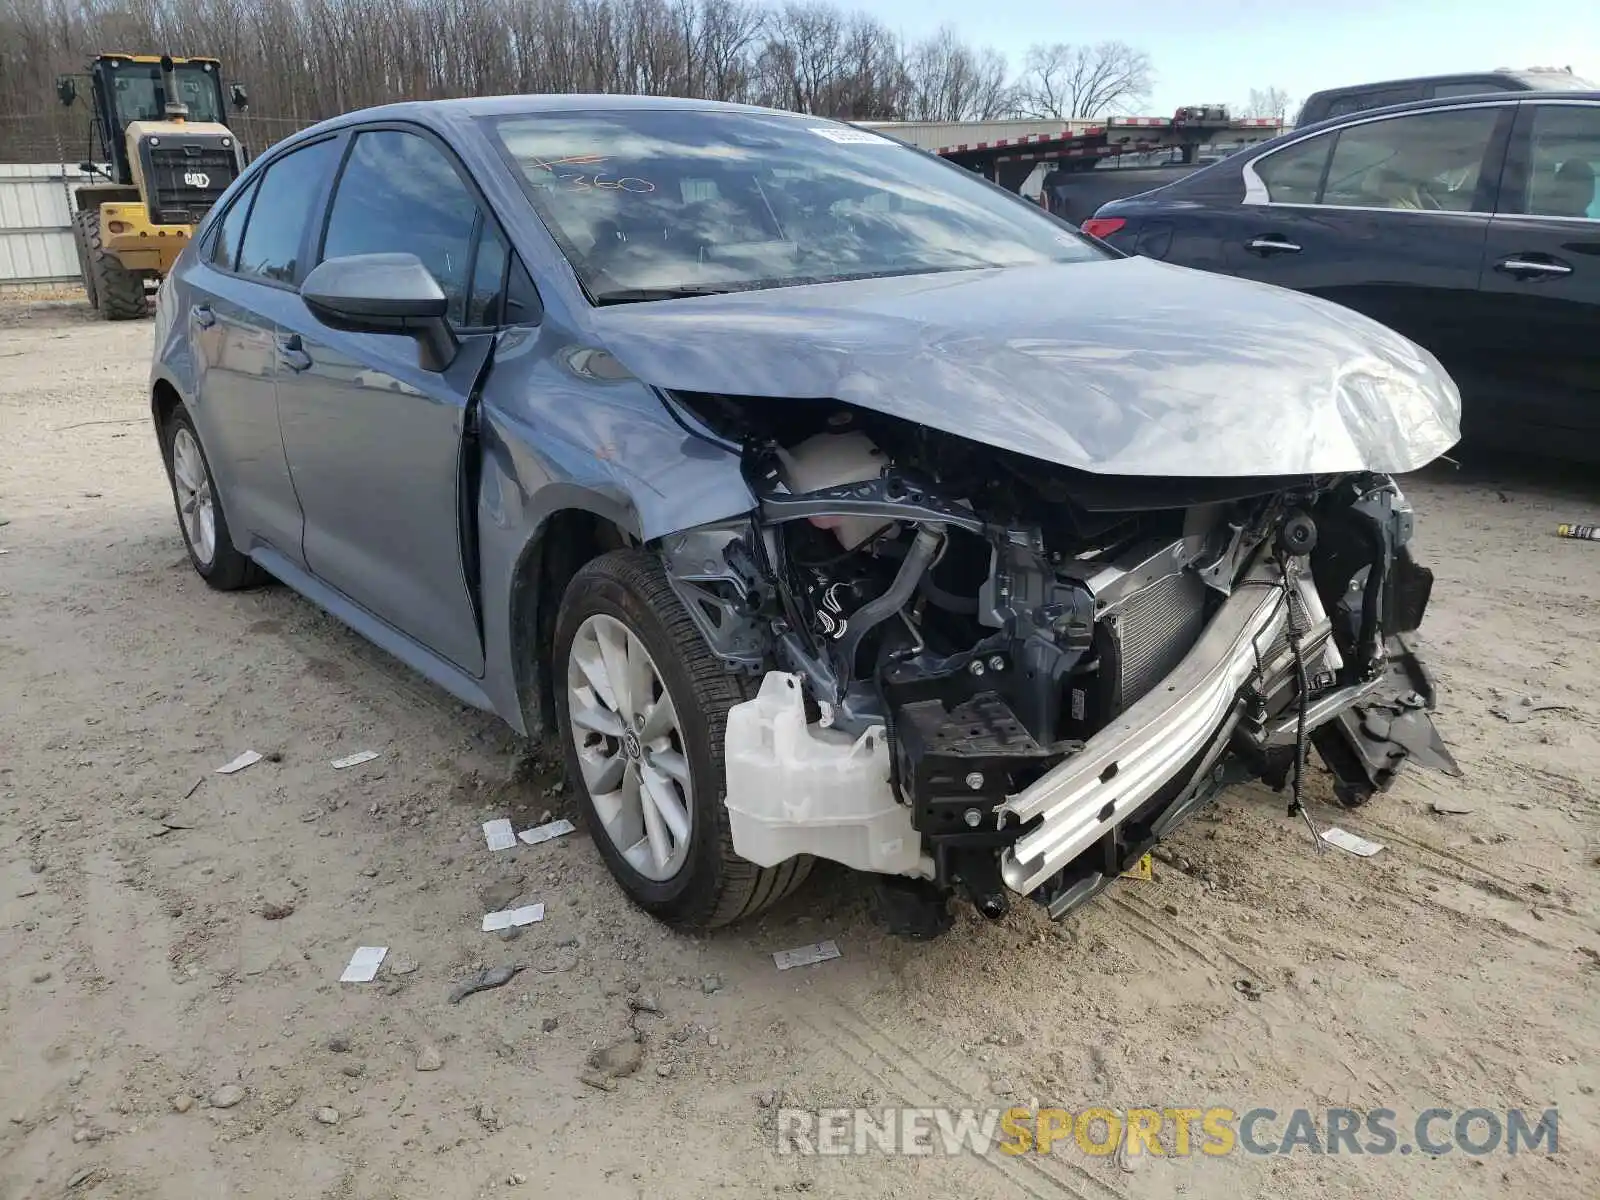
pixel 827 501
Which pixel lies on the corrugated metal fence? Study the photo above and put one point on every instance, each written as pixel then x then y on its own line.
pixel 36 223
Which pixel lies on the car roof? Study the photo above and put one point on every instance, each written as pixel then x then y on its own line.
pixel 515 105
pixel 1444 102
pixel 440 115
pixel 1535 78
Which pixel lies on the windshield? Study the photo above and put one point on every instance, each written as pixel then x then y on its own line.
pixel 136 87
pixel 655 203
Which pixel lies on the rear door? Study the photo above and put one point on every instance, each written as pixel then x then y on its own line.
pixel 1541 279
pixel 1385 215
pixel 374 440
pixel 245 277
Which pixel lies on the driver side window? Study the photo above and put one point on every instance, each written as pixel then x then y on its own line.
pixel 399 192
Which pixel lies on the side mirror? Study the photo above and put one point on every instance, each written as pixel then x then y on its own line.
pixel 240 97
pixel 384 293
pixel 66 89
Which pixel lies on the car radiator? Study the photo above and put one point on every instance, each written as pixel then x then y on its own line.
pixel 1155 628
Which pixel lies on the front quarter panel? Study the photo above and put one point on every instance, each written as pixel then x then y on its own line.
pixel 565 426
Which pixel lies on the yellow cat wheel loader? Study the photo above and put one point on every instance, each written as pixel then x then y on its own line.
pixel 158 122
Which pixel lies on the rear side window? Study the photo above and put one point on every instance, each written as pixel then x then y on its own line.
pixel 1471 89
pixel 399 192
pixel 1354 102
pixel 1429 161
pixel 1402 95
pixel 1294 175
pixel 287 193
pixel 1564 161
pixel 225 245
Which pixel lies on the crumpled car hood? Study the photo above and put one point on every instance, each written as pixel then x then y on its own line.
pixel 1119 367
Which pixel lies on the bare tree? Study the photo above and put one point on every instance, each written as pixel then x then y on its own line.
pixel 304 60
pixel 728 30
pixel 1071 82
pixel 947 80
pixel 1271 102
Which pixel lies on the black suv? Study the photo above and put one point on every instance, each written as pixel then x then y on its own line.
pixel 1341 102
pixel 1469 224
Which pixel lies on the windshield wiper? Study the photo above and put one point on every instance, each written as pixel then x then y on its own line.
pixel 683 291
pixel 678 292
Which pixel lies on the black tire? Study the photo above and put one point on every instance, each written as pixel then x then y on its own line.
pixel 81 221
pixel 228 570
pixel 715 886
pixel 118 292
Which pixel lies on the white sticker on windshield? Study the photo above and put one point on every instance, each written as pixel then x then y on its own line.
pixel 851 137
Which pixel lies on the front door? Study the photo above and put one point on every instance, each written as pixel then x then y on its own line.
pixel 373 439
pixel 374 443
pixel 1541 279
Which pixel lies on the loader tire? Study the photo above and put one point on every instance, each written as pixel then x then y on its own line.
pixel 119 293
pixel 81 223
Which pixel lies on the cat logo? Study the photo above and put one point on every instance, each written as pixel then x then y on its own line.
pixel 196 179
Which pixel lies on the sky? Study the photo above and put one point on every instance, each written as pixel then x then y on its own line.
pixel 1215 51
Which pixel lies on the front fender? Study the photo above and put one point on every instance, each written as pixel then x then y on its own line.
pixel 557 438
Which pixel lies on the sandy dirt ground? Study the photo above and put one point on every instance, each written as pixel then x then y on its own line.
pixel 171 939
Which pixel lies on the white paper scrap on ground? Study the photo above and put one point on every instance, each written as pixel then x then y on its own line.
pixel 244 760
pixel 1350 842
pixel 545 833
pixel 498 834
pixel 354 760
pixel 526 915
pixel 364 964
pixel 805 956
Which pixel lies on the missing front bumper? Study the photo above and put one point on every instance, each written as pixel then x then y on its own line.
pixel 1148 746
pixel 1170 740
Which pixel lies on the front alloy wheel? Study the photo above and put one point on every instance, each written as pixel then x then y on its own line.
pixel 630 750
pixel 642 707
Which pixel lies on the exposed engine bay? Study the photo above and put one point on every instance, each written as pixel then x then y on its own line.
pixel 983 673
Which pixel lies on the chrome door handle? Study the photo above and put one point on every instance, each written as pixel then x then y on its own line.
pixel 292 354
pixel 1272 245
pixel 1532 268
pixel 203 316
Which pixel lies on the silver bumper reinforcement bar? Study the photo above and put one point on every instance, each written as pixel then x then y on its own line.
pixel 1133 757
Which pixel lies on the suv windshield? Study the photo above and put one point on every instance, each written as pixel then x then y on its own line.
pixel 657 203
pixel 136 90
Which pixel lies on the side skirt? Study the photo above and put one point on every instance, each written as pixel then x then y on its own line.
pixel 381 634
